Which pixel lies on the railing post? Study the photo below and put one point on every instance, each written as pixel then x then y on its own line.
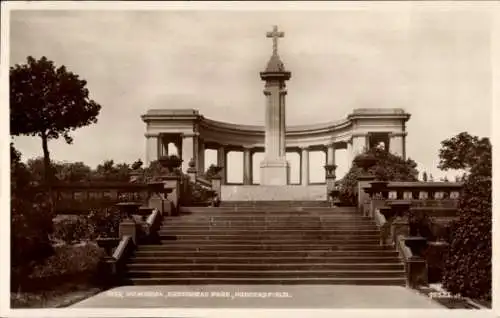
pixel 128 226
pixel 191 171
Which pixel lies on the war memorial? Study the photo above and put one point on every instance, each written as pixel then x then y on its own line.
pixel 271 243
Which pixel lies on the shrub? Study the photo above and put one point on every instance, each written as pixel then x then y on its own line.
pixel 72 230
pixel 70 264
pixel 468 264
pixel 388 167
pixel 104 222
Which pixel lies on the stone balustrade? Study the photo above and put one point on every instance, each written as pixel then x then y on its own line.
pixel 411 216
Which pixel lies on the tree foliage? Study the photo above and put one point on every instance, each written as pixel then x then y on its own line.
pixel 388 167
pixel 48 102
pixel 462 151
pixel 468 263
pixel 31 220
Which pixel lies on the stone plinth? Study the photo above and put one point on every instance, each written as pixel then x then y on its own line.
pixel 273 193
pixel 274 173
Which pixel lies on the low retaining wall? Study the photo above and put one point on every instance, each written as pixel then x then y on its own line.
pixel 273 193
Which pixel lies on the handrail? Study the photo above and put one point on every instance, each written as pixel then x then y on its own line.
pixel 122 247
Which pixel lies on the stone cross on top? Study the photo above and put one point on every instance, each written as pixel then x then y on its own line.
pixel 275 35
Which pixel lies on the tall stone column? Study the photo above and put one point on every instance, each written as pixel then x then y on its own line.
pixel 359 143
pixel 304 166
pixel 247 166
pixel 330 154
pixel 397 144
pixel 201 156
pixel 152 147
pixel 350 157
pixel 221 162
pixel 189 140
pixel 274 167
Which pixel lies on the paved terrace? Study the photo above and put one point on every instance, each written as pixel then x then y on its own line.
pixel 259 296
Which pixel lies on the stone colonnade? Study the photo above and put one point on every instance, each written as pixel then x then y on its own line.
pixel 193 146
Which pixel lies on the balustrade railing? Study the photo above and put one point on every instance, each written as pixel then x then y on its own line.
pixel 413 216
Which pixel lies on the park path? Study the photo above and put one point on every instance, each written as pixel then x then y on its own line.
pixel 259 296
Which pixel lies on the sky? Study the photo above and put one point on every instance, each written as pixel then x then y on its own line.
pixel 432 61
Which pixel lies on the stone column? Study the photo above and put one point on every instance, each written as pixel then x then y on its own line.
pixel 152 147
pixel 397 144
pixel 359 143
pixel 201 156
pixel 189 141
pixel 330 155
pixel 282 146
pixel 247 166
pixel 304 168
pixel 221 162
pixel 162 146
pixel 350 157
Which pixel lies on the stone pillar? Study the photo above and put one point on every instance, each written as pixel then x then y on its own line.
pixel 304 167
pixel 201 156
pixel 330 155
pixel 221 162
pixel 397 144
pixel 274 168
pixel 162 146
pixel 152 146
pixel 359 143
pixel 247 166
pixel 350 157
pixel 189 141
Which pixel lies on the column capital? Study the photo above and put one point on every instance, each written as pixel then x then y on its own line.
pixel 267 92
pixel 190 134
pixel 359 134
pixel 283 91
pixel 151 135
pixel 304 148
pixel 398 134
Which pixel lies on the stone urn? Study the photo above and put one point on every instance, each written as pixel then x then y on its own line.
pixel 170 162
pixel 400 207
pixel 108 243
pixel 217 171
pixel 379 185
pixel 157 187
pixel 387 212
pixel 144 212
pixel 128 209
pixel 365 161
pixel 417 245
pixel 330 171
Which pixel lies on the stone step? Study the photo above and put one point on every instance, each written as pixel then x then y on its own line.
pixel 308 203
pixel 264 267
pixel 208 226
pixel 265 274
pixel 259 218
pixel 273 232
pixel 311 247
pixel 268 242
pixel 393 281
pixel 267 210
pixel 144 251
pixel 264 260
pixel 312 238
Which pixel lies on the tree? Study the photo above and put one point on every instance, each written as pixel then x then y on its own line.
pixel 108 171
pixel 468 263
pixel 462 151
pixel 31 220
pixel 48 102
pixel 388 167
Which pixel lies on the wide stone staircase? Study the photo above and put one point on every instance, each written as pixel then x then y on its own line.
pixel 266 243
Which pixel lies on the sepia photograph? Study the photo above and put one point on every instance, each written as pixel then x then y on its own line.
pixel 210 156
